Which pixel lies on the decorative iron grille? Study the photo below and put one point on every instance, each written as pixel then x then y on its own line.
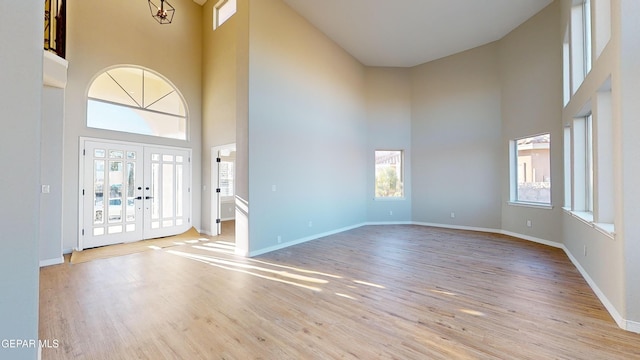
pixel 55 23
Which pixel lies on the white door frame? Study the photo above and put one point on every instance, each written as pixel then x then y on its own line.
pixel 81 187
pixel 215 184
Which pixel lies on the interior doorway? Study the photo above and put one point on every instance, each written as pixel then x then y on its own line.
pixel 132 192
pixel 223 170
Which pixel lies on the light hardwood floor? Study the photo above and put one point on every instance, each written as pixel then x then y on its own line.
pixel 376 292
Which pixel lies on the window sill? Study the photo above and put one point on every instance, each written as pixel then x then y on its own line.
pixel 584 216
pixel 530 205
pixel 606 229
pixel 587 218
pixel 389 199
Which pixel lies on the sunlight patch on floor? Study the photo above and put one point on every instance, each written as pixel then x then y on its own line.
pixel 368 284
pixel 242 268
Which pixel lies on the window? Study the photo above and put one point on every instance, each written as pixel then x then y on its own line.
pixel 580 42
pixel 136 100
pixel 583 164
pixel 222 11
pixel 389 174
pixel 566 69
pixel 589 154
pixel 226 174
pixel 604 189
pixel 567 167
pixel 586 38
pixel 531 170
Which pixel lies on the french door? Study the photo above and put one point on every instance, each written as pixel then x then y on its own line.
pixel 132 192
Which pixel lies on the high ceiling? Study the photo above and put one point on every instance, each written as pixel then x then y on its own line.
pixel 404 33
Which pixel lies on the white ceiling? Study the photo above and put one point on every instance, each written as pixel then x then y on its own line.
pixel 403 33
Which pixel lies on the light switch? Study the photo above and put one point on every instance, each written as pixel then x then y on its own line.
pixel 46 189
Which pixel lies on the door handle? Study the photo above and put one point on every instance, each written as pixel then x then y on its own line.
pixel 148 197
pixel 138 198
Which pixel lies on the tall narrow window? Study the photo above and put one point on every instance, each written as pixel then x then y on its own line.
pixel 603 155
pixel 531 170
pixel 583 164
pixel 222 11
pixel 580 42
pixel 566 69
pixel 136 100
pixel 567 167
pixel 389 174
pixel 589 163
pixel 586 23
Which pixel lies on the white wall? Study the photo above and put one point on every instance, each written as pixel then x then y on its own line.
pixel 629 92
pixel 306 130
pixel 51 175
pixel 388 96
pixel 21 29
pixel 456 140
pixel 102 34
pixel 531 90
pixel 219 92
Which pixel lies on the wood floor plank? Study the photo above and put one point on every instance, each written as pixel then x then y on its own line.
pixel 376 292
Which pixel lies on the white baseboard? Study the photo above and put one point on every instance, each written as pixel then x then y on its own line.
pixel 55 261
pixel 633 326
pixel 302 240
pixel 458 227
pixel 376 223
pixel 603 298
pixel 533 239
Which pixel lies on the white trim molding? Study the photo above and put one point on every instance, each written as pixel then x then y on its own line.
pixel 303 240
pixel 622 323
pixel 54 70
pixel 54 261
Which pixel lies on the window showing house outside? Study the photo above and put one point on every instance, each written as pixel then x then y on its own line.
pixel 136 100
pixel 389 174
pixel 533 169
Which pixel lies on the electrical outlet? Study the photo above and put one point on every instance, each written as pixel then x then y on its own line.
pixel 585 250
pixel 274 188
pixel 310 223
pixel 453 215
pixel 279 239
pixel 529 224
pixel 390 212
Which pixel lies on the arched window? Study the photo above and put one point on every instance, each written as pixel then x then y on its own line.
pixel 136 100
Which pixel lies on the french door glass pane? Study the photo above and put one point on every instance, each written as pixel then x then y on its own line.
pixel 98 198
pixel 167 190
pixel 155 190
pixel 179 184
pixel 116 179
pixel 130 205
pixel 116 154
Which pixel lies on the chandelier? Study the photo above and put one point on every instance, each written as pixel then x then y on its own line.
pixel 163 13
